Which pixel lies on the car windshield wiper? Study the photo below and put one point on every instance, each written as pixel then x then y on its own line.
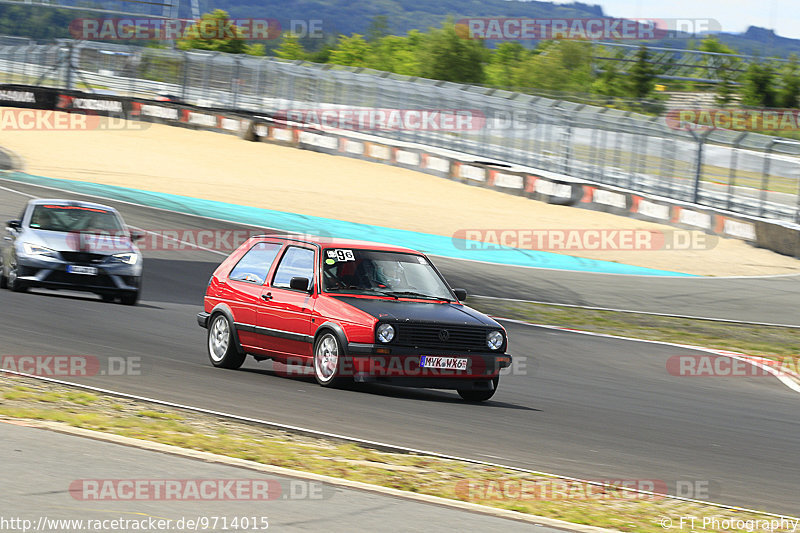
pixel 412 294
pixel 351 288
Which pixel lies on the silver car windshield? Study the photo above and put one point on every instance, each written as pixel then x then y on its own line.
pixel 71 218
pixel 401 275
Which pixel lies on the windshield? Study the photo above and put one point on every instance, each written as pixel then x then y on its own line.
pixel 74 218
pixel 395 274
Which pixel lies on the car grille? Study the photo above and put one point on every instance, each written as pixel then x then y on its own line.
pixel 60 276
pixel 82 257
pixel 457 337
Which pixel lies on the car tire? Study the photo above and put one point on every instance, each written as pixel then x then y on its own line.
pixel 12 282
pixel 328 359
pixel 108 298
pixel 479 395
pixel 223 350
pixel 129 298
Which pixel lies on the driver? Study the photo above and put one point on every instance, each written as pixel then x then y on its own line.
pixel 41 219
pixel 391 275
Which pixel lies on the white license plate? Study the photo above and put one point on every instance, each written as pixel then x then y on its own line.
pixel 446 363
pixel 86 271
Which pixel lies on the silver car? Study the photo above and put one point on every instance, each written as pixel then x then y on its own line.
pixel 64 244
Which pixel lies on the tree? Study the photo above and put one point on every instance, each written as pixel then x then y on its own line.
pixel 290 47
pixel 396 54
pixel 215 32
pixel 378 28
pixel 503 64
pixel 350 51
pixel 450 57
pixel 722 67
pixel 561 66
pixel 789 93
pixel 610 83
pixel 642 78
pixel 759 85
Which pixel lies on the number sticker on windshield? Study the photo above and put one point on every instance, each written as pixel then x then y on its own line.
pixel 342 255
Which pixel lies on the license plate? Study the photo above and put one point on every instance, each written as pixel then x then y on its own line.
pixel 445 363
pixel 86 271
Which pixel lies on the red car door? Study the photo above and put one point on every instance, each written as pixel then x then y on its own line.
pixel 243 289
pixel 284 314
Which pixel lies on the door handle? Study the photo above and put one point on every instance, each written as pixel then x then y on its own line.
pixel 267 296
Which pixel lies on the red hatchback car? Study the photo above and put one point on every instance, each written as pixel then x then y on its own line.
pixel 354 311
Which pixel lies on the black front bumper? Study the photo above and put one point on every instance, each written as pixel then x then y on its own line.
pixel 202 319
pixel 500 360
pixel 371 366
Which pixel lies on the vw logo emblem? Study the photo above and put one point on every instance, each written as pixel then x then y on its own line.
pixel 444 335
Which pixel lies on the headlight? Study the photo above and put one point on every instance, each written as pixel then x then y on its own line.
pixel 35 249
pixel 129 258
pixel 494 340
pixel 385 333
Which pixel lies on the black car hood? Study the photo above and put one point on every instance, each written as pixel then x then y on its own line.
pixel 407 311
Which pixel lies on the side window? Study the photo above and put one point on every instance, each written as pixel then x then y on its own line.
pixel 296 263
pixel 254 265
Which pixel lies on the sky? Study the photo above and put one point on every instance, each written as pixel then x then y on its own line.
pixel 734 16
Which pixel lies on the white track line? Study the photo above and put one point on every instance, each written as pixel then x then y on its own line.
pixel 789 382
pixel 381 445
pixel 592 308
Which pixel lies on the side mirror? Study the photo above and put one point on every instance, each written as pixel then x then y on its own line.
pixel 461 294
pixel 299 284
pixel 14 224
pixel 136 235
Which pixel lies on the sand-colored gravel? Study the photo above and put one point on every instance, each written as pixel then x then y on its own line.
pixel 225 168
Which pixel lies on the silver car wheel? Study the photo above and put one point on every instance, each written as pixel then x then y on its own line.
pixel 219 338
pixel 326 358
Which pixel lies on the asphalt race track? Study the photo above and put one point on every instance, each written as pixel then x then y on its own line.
pixel 582 406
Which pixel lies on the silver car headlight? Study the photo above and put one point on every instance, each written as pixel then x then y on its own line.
pixel 41 251
pixel 128 258
pixel 494 340
pixel 385 333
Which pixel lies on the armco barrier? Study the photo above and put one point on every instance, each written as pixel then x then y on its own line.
pixel 543 186
pixel 27 96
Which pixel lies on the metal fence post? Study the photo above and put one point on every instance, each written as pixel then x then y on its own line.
pixel 185 75
pixel 698 167
pixel 567 142
pixel 734 166
pixel 237 71
pixel 765 177
pixel 68 74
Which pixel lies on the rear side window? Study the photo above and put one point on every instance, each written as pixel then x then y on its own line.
pixel 296 263
pixel 254 265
